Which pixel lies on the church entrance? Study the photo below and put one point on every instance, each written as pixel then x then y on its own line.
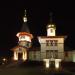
pixel 20 56
pixel 52 64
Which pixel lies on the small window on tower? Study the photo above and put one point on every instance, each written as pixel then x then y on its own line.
pixel 51 30
pixel 22 37
pixel 51 42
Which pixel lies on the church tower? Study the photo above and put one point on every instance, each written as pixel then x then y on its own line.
pixel 51 29
pixel 52 45
pixel 24 36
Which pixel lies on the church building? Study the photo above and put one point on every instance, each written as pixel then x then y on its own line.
pixel 24 42
pixel 51 45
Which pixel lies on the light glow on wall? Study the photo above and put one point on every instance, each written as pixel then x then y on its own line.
pixel 73 57
pixel 15 56
pixel 4 59
pixel 57 63
pixel 46 63
pixel 51 25
pixel 25 19
pixel 24 56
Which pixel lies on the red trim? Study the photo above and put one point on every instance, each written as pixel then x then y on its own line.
pixel 25 33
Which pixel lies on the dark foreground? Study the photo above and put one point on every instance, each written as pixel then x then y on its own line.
pixel 31 69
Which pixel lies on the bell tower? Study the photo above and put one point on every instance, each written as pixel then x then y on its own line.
pixel 24 42
pixel 51 29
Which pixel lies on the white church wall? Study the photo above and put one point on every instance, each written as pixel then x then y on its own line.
pixel 59 47
pixel 69 56
pixel 35 55
pixel 61 44
pixel 43 55
pixel 73 53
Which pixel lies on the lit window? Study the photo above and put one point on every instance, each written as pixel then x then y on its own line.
pixel 55 53
pixel 55 42
pixel 47 42
pixel 51 53
pixel 22 37
pixel 51 42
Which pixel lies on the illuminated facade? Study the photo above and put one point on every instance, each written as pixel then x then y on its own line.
pixel 24 36
pixel 51 46
pixel 51 30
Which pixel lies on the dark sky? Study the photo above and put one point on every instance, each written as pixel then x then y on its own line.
pixel 11 13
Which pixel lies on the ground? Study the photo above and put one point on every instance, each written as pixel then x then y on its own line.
pixel 26 69
pixel 31 71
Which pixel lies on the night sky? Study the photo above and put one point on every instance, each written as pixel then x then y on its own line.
pixel 11 13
